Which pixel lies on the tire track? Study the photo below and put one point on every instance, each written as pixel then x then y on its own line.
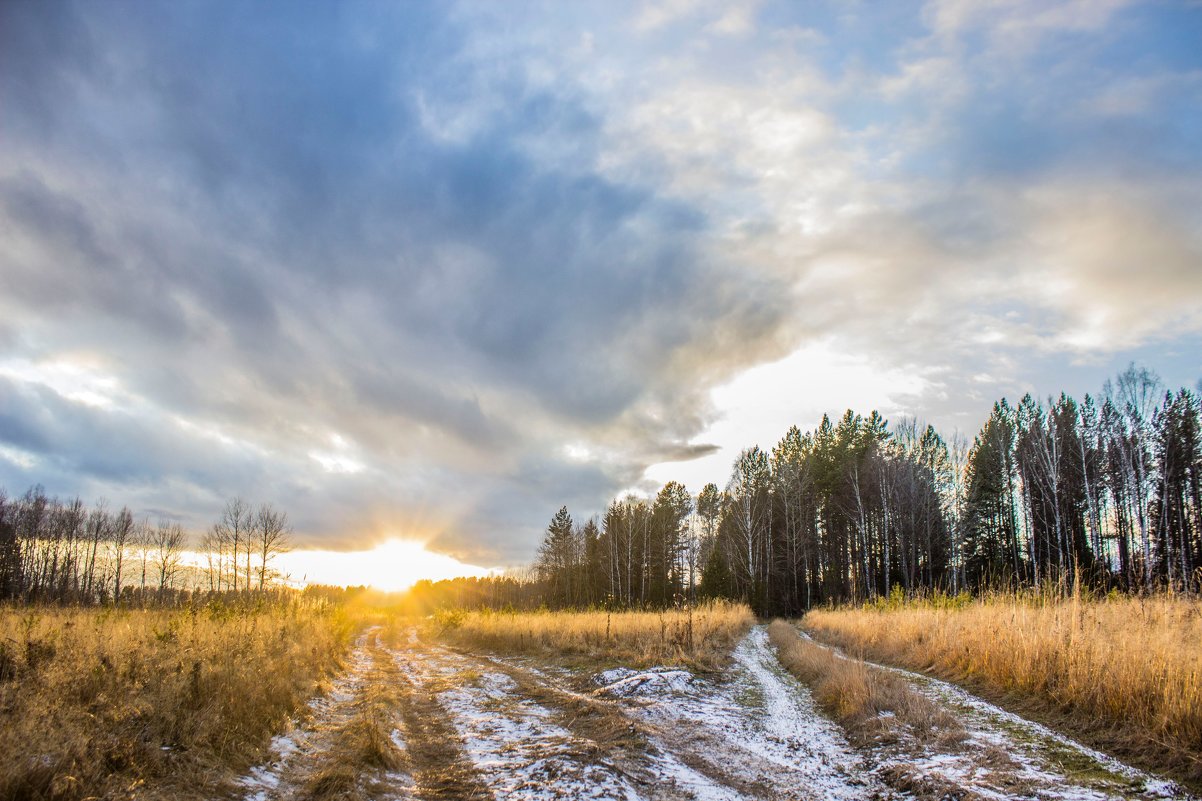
pixel 623 744
pixel 292 753
pixel 1006 755
pixel 515 745
pixel 439 763
pixel 679 736
pixel 757 730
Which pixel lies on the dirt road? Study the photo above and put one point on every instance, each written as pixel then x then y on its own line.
pixel 1006 756
pixel 418 720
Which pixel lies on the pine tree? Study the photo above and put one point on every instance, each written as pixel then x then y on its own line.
pixel 557 559
pixel 592 578
pixel 669 514
pixel 990 540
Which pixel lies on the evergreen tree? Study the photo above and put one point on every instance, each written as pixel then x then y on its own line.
pixel 854 508
pixel 1175 516
pixel 557 559
pixel 669 515
pixel 593 574
pixel 989 548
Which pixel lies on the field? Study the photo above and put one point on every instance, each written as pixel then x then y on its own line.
pixel 1124 673
pixel 314 701
pixel 109 703
pixel 701 638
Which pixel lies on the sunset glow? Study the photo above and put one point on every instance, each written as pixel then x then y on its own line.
pixel 391 566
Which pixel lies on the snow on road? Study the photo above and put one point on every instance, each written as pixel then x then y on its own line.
pixel 754 733
pixel 756 730
pixel 520 751
pixel 1008 756
pixel 303 742
pixel 475 726
pixel 514 743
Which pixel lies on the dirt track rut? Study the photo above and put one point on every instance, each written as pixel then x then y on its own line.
pixel 467 726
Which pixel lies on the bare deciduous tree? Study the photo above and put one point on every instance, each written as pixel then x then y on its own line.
pixel 168 543
pixel 273 535
pixel 122 531
pixel 234 528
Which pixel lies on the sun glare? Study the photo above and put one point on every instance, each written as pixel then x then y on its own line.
pixel 391 566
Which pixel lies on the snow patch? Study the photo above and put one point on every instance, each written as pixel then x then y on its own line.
pixel 624 683
pixel 398 739
pixel 699 787
pixel 757 730
pixel 519 751
pixel 265 778
pixel 514 743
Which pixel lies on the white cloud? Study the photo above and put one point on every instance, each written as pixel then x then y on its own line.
pixel 737 20
pixel 655 14
pixel 1019 24
pixel 759 405
pixel 79 377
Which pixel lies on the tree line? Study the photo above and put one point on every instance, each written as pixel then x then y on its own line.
pixel 62 550
pixel 1106 491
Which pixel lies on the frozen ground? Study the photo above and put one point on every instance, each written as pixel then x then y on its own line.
pixel 303 739
pixel 1007 756
pixel 480 726
pixel 304 748
pixel 756 730
pixel 514 744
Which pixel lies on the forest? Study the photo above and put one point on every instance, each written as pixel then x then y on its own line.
pixel 1104 493
pixel 56 550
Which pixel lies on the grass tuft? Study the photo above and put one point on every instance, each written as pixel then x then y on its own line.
pixel 871 704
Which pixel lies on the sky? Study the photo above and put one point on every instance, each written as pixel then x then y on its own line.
pixel 430 271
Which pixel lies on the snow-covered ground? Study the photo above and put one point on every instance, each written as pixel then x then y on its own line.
pixel 752 734
pixel 514 743
pixel 521 752
pixel 303 739
pixel 755 731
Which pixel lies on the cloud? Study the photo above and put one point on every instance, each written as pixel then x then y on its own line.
pixel 275 256
pixel 1019 25
pixel 382 264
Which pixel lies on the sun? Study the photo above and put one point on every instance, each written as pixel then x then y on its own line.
pixel 394 565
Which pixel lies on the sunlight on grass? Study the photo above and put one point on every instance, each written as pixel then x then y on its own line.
pixel 98 700
pixel 1128 666
pixel 702 638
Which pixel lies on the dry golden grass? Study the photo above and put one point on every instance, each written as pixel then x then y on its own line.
pixel 359 750
pixel 857 695
pixel 152 703
pixel 702 638
pixel 1124 673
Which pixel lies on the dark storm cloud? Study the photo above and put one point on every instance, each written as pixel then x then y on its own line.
pixel 291 223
